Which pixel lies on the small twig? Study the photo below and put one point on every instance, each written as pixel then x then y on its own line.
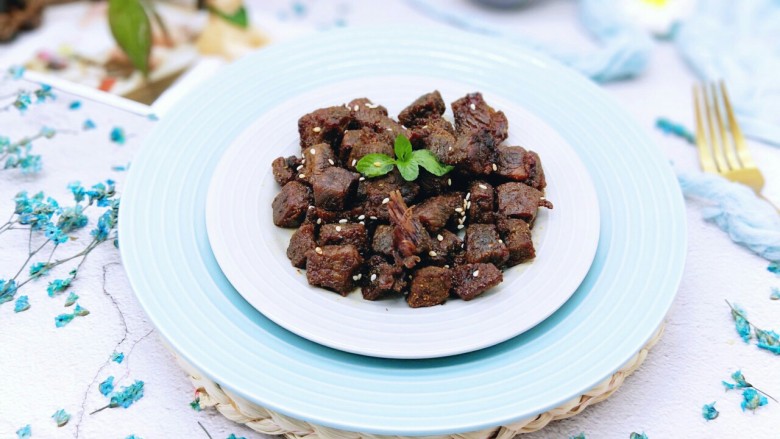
pixel 204 430
pixel 100 409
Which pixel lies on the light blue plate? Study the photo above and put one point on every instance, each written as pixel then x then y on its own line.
pixel 623 299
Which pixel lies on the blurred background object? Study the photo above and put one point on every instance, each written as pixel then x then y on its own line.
pixel 19 15
pixel 228 32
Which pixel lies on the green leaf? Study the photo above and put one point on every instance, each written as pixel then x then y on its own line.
pixel 403 149
pixel 132 31
pixel 409 170
pixel 238 18
pixel 428 160
pixel 374 165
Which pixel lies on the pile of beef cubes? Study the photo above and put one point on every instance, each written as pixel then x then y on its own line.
pixel 390 236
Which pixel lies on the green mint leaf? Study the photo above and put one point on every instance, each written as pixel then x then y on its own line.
pixel 403 148
pixel 238 18
pixel 374 165
pixel 132 31
pixel 409 170
pixel 428 160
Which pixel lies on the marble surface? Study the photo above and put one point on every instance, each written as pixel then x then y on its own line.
pixel 46 368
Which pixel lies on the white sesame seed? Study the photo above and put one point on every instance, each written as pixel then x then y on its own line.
pixel 432 253
pixel 342 221
pixel 385 201
pixel 460 226
pixel 468 205
pixel 319 220
pixel 332 163
pixel 449 182
pixel 303 161
pixel 362 179
pixel 501 241
pixel 473 107
pixel 542 198
pixel 313 151
pixel 338 228
pixel 476 273
pixel 468 195
pixel 440 238
pixel 389 129
pixel 346 106
pixel 362 217
pixel 357 277
pixel 299 167
pixel 301 175
pixel 458 209
pixel 373 277
pixel 449 149
pixel 461 220
pixel 446 266
pixel 425 126
pixel 495 168
pixel 354 162
pixel 362 222
pixel 316 129
pixel 369 105
pixel 318 250
pixel 311 207
pixel 373 217
pixel 482 186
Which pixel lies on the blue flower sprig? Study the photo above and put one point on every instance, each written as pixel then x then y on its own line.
pixel 41 215
pixel 19 155
pixel 767 340
pixel 751 399
pixel 125 397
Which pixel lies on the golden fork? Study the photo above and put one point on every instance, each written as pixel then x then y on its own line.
pixel 722 148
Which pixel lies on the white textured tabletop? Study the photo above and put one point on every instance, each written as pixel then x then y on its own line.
pixel 44 368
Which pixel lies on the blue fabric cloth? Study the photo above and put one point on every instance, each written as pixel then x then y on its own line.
pixel 748 220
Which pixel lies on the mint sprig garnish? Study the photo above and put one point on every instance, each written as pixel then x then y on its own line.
pixel 406 160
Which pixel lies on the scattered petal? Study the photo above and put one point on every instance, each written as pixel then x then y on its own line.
pixel 741 324
pixel 728 385
pixel 676 129
pixel 768 340
pixel 774 267
pixel 118 135
pixel 638 436
pixel 152 117
pixel 58 286
pixel 22 304
pixel 132 436
pixel 775 294
pixel 107 386
pixel 61 417
pixel 72 298
pixel 233 436
pixel 79 311
pixel 75 105
pixel 16 72
pixel 24 432
pixel 88 125
pixel 751 399
pixel 118 357
pixel 63 319
pixel 709 412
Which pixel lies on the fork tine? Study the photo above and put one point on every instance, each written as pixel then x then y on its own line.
pixel 705 153
pixel 731 158
pixel 739 140
pixel 717 143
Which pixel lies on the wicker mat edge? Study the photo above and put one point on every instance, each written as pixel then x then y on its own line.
pixel 262 420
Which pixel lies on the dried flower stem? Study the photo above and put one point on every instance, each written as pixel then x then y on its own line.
pixel 204 430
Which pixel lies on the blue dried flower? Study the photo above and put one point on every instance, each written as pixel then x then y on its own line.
pixel 709 412
pixel 24 432
pixel 72 218
pixel 55 234
pixel 30 164
pixel 775 294
pixel 38 269
pixel 72 298
pixel 768 340
pixel 152 117
pixel 739 379
pixel 61 417
pixel 77 190
pixel 118 135
pixel 121 168
pixel 233 436
pixel 58 286
pixel 195 404
pixel 62 320
pixel 107 386
pixel 23 101
pixel 128 395
pixel 79 311
pixel 106 222
pixel 752 400
pixel 44 93
pixel 75 105
pixel 16 72
pixel 117 357
pixel 7 290
pixel 48 132
pixel 679 130
pixel 22 304
pixel 638 436
pixel 102 193
pixel 741 323
pixel 88 125
pixel 774 267
pixel 579 436
pixel 728 385
pixel 132 436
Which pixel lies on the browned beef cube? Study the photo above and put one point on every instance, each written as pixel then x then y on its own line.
pixel 333 188
pixel 353 138
pixel 316 159
pixel 483 245
pixel 472 113
pixel 430 286
pixel 333 267
pixel 382 242
pixel 431 185
pixel 290 204
pixel 533 164
pixel 434 213
pixel 437 136
pixel 343 233
pixel 510 162
pixel 474 152
pixel 363 149
pixel 284 169
pixel 517 237
pixel 375 193
pixel 445 246
pixel 518 200
pixel 319 215
pixel 471 280
pixel 325 125
pixel 422 108
pixel 382 279
pixel 482 202
pixel 301 243
pixel 365 105
pixel 375 119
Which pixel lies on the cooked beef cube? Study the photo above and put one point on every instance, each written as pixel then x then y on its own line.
pixel 362 136
pixel 430 286
pixel 409 236
pixel 301 242
pixel 325 125
pixel 517 237
pixel 483 245
pixel 482 202
pixel 346 233
pixel 362 106
pixel 284 169
pixel 324 216
pixel 374 191
pixel 431 185
pixel 333 267
pixel 377 120
pixel 422 108
pixel 389 126
pixel 333 188
pixel 471 280
pixel 290 204
pixel 316 159
pixel 473 113
pixel 437 136
pixel 434 213
pixel 510 162
pixel 362 149
pixel 382 242
pixel 535 172
pixel 518 200
pixel 445 246
pixel 474 152
pixel 382 279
